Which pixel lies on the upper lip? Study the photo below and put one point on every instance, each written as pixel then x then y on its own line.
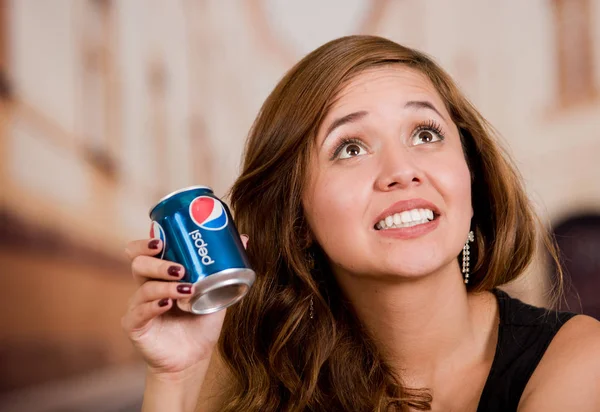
pixel 410 204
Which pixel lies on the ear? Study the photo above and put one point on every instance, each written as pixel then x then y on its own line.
pixel 244 239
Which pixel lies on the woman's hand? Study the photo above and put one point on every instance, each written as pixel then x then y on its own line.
pixel 171 341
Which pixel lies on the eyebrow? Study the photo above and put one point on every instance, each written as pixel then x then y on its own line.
pixel 356 116
pixel 422 104
pixel 349 118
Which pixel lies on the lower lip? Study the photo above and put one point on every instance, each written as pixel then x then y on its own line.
pixel 410 232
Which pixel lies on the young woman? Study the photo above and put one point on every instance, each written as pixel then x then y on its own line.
pixel 381 216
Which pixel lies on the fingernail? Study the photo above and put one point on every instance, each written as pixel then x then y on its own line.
pixel 174 270
pixel 153 244
pixel 187 289
pixel 163 302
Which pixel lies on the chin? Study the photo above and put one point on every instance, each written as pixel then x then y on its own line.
pixel 412 270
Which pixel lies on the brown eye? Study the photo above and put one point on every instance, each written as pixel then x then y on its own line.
pixel 353 150
pixel 427 135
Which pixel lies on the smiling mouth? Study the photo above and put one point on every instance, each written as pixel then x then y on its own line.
pixel 407 218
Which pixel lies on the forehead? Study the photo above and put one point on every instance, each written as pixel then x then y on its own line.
pixel 392 83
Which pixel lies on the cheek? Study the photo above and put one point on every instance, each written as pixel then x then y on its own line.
pixel 455 184
pixel 333 203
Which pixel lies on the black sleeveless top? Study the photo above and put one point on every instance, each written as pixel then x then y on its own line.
pixel 524 335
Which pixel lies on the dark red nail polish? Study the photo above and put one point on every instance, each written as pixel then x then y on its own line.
pixel 187 289
pixel 163 302
pixel 173 270
pixel 153 244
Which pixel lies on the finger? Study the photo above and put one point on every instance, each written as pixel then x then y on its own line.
pixel 140 315
pixel 147 267
pixel 244 241
pixel 156 290
pixel 144 247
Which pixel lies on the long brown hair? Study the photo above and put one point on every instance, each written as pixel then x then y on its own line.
pixel 286 354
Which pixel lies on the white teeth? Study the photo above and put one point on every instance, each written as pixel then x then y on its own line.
pixel 407 218
pixel 389 221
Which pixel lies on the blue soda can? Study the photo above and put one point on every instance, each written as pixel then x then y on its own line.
pixel 198 232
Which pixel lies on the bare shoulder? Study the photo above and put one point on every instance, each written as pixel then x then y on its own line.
pixel 568 376
pixel 216 385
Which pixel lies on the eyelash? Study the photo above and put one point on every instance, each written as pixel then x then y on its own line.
pixel 344 141
pixel 430 125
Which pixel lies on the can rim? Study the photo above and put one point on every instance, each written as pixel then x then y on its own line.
pixel 210 283
pixel 176 192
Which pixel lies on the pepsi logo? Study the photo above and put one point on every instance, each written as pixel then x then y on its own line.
pixel 208 213
pixel 157 232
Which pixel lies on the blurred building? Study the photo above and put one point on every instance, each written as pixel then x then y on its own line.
pixel 107 105
pixel 99 120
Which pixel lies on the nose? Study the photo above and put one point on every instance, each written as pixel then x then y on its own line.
pixel 398 169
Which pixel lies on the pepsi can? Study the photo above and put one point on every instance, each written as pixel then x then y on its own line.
pixel 198 232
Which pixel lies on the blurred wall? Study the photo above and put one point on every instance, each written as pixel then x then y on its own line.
pixel 108 105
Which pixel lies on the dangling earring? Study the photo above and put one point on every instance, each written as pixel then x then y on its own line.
pixel 311 311
pixel 465 256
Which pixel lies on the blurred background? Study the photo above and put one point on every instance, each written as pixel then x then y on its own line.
pixel 106 106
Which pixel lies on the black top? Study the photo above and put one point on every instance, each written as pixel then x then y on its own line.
pixel 523 336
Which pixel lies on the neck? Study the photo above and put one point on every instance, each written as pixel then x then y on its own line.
pixel 420 325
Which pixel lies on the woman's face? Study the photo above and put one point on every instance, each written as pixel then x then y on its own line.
pixel 389 191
